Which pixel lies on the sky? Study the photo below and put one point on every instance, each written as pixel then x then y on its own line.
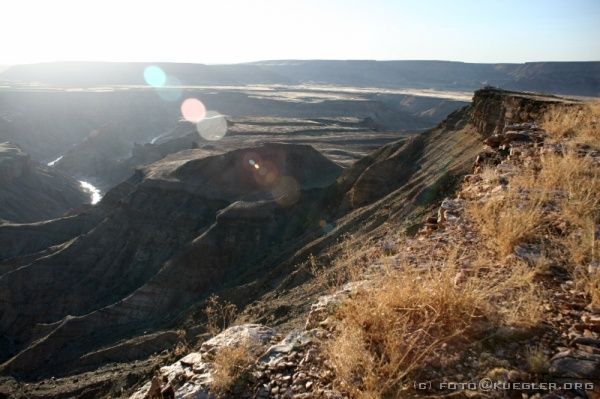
pixel 232 31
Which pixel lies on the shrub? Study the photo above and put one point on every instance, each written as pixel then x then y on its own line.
pixel 219 314
pixel 506 221
pixel 230 366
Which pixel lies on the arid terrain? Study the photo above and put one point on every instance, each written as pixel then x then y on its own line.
pixel 101 134
pixel 310 235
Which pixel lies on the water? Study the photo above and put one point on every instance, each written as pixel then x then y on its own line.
pixel 92 190
pixel 55 161
pixel 88 187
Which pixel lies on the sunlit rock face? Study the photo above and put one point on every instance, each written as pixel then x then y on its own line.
pixel 494 108
pixel 32 192
pixel 155 245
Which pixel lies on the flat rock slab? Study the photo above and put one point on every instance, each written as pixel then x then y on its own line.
pixel 253 335
pixel 576 364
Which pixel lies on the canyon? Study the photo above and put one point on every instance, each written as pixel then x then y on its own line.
pixel 95 297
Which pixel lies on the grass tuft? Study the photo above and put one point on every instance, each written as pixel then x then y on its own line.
pixel 230 366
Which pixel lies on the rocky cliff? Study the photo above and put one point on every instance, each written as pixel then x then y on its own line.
pixel 494 109
pixel 32 192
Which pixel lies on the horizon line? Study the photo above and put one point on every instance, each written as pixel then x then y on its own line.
pixel 73 61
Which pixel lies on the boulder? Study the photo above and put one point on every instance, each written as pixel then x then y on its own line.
pixel 253 335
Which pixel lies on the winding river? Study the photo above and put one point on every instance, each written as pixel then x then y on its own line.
pixel 93 191
pixel 95 194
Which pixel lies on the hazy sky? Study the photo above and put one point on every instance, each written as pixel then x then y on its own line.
pixel 226 31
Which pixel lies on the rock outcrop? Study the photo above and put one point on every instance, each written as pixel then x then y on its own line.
pixel 191 376
pixel 493 109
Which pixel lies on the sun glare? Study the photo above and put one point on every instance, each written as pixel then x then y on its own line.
pixel 193 110
pixel 155 76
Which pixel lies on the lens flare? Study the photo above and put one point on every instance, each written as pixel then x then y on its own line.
pixel 213 127
pixel 155 76
pixel 193 110
pixel 250 160
pixel 266 173
pixel 286 191
pixel 171 91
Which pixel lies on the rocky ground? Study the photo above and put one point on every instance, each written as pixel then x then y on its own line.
pixel 567 340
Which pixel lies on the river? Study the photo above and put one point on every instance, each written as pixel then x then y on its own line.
pixel 95 194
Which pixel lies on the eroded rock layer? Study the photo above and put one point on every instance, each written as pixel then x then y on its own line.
pixel 31 192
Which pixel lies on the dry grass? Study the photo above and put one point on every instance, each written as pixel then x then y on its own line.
pixel 220 314
pixel 580 123
pixel 516 297
pixel 489 174
pixel 230 365
pixel 575 184
pixel 506 221
pixel 351 261
pixel 577 180
pixel 391 333
pixel 591 283
pixel 558 203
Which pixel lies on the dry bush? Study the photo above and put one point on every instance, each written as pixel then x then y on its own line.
pixel 391 332
pixel 230 366
pixel 506 221
pixel 579 122
pixel 517 298
pixel 219 314
pixel 489 174
pixel 564 191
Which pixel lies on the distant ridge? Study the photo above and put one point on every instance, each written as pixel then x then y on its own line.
pixel 574 78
